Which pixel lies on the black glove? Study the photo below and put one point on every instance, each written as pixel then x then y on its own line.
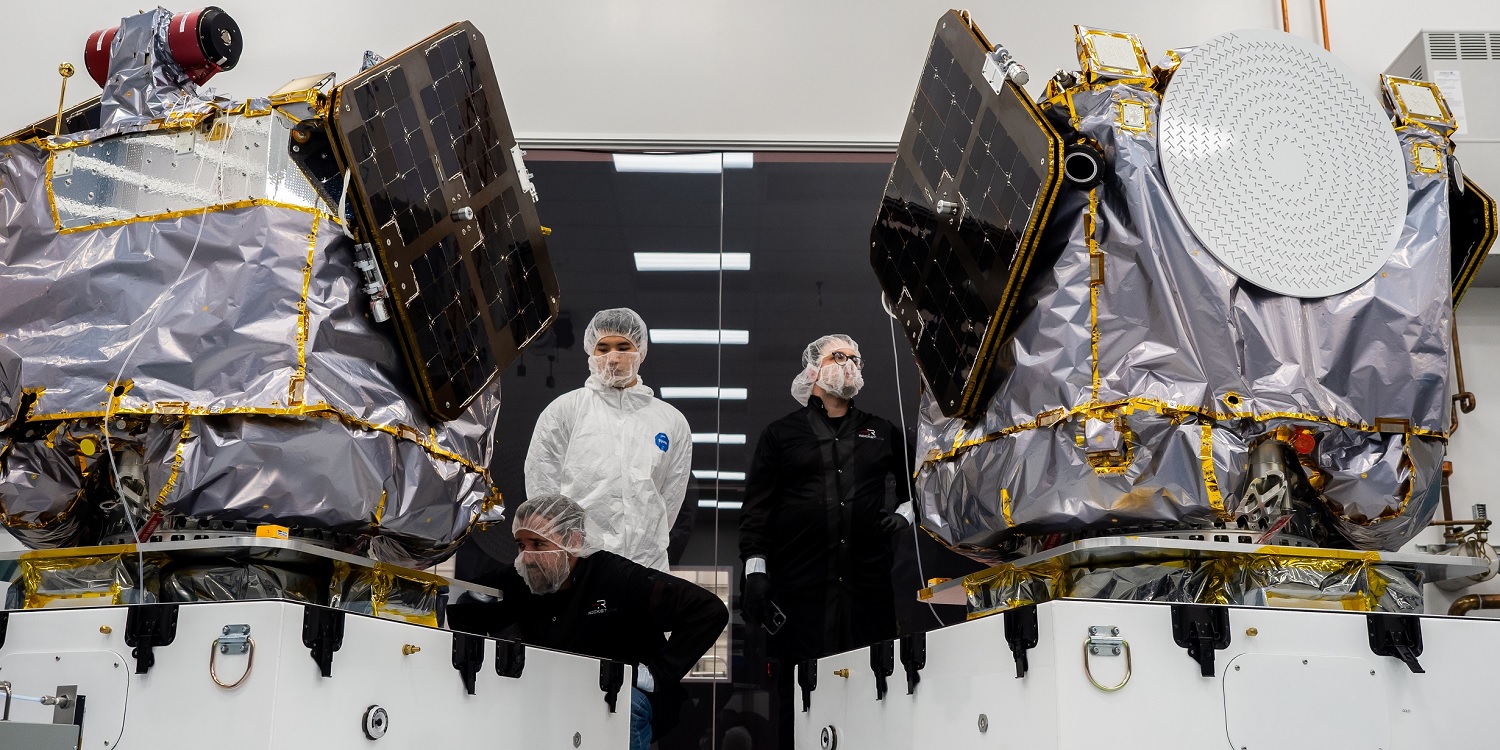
pixel 890 523
pixel 755 602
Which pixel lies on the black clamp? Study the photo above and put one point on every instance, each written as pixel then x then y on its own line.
pixel 883 664
pixel 807 679
pixel 510 658
pixel 1022 633
pixel 146 627
pixel 611 678
pixel 1397 635
pixel 4 624
pixel 468 657
pixel 322 634
pixel 913 659
pixel 1201 629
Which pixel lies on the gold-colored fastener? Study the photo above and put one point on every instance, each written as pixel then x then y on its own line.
pixel 841 673
pixel 105 629
pixel 1252 632
pixel 408 649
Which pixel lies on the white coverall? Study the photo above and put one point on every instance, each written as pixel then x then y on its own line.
pixel 622 454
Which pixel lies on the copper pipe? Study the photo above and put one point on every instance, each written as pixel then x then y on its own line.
pixel 1286 20
pixel 1323 11
pixel 1470 602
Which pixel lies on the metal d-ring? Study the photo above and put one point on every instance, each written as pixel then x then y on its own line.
pixel 1087 672
pixel 213 673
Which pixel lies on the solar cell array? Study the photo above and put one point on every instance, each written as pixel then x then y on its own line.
pixel 1474 225
pixel 974 179
pixel 426 137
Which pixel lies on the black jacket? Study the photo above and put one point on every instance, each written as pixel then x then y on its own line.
pixel 613 609
pixel 814 497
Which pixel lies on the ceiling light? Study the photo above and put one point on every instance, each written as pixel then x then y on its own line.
pixel 720 438
pixel 692 261
pixel 709 163
pixel 721 504
pixel 698 336
pixel 725 476
pixel 723 394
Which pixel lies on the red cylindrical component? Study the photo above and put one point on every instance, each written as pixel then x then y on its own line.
pixel 204 42
pixel 96 54
pixel 1305 442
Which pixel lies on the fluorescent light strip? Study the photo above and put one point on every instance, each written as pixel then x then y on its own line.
pixel 721 504
pixel 720 438
pixel 723 476
pixel 698 336
pixel 709 163
pixel 692 261
pixel 722 394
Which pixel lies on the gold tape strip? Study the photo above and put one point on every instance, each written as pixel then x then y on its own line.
pixel 200 211
pixel 167 486
pixel 1090 221
pixel 1211 477
pixel 296 385
pixel 1172 409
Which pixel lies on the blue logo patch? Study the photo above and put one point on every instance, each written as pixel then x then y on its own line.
pixel 662 442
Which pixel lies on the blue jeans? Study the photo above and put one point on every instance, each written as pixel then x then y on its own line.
pixel 640 720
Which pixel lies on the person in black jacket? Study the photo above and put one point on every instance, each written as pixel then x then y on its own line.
pixel 563 595
pixel 816 529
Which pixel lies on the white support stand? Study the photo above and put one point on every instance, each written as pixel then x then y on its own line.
pixel 406 671
pixel 1288 680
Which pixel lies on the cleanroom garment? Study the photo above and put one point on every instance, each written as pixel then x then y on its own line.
pixel 814 500
pixel 625 456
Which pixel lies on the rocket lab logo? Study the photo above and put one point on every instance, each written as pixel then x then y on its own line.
pixel 599 608
pixel 663 442
pixel 869 433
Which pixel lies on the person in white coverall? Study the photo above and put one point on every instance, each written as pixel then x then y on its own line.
pixel 612 446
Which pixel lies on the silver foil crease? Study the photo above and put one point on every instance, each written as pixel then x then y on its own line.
pixel 10 386
pixel 256 390
pixel 219 582
pixel 1193 369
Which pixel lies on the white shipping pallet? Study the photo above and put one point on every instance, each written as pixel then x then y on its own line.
pixel 1306 680
pixel 286 703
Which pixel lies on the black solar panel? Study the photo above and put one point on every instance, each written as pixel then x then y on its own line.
pixel 426 135
pixel 973 183
pixel 1474 224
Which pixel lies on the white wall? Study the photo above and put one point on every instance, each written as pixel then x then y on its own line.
pixel 697 71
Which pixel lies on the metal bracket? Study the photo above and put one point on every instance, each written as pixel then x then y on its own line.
pixel 611 678
pixel 1201 629
pixel 146 627
pixel 510 658
pixel 913 659
pixel 323 634
pixel 468 657
pixel 67 705
pixel 234 639
pixel 1022 634
pixel 807 679
pixel 374 286
pixel 1397 635
pixel 883 664
pixel 1104 640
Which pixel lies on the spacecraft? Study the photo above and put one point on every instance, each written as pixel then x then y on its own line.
pixel 249 386
pixel 1184 329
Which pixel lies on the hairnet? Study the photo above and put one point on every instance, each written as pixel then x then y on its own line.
pixel 812 358
pixel 558 520
pixel 617 321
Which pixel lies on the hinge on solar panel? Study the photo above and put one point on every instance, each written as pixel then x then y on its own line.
pixel 516 156
pixel 999 65
pixel 375 286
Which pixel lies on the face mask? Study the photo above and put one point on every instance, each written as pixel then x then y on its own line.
pixel 841 380
pixel 615 369
pixel 543 572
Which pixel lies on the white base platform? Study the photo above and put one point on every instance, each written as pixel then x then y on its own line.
pixel 286 703
pixel 1306 680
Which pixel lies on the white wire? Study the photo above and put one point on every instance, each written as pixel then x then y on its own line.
pixel 155 312
pixel 911 491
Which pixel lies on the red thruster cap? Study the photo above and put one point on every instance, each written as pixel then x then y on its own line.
pixel 1304 442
